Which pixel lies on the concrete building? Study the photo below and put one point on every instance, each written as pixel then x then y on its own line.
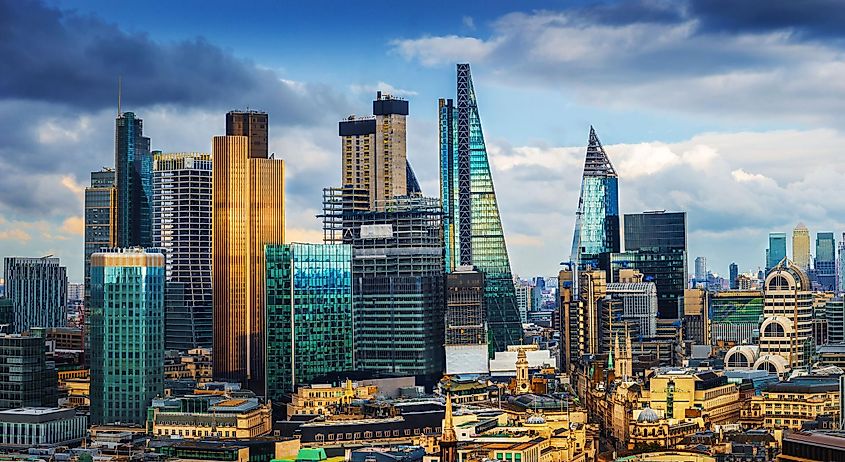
pixel 786 330
pixel 801 247
pixel 27 379
pixel 789 404
pixel 182 228
pixel 835 315
pixel 127 334
pixel 41 427
pixel 524 299
pixel 466 326
pixel 253 125
pixel 203 417
pixel 38 290
pixel 677 394
pixel 696 316
pixel 639 304
pixel 248 213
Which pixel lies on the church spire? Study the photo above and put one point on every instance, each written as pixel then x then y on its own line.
pixel 448 439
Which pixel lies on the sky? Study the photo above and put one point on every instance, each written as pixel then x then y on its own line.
pixel 730 111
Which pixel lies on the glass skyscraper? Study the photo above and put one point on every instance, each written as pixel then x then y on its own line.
pixel 597 219
pixel 472 226
pixel 826 261
pixel 127 334
pixel 309 314
pixel 100 205
pixel 38 290
pixel 182 228
pixel 134 181
pixel 776 251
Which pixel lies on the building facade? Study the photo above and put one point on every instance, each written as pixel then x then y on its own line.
pixel 801 247
pixel 127 334
pixel 733 270
pixel 182 228
pixel 835 314
pixel 466 327
pixel 100 216
pixel 247 214
pixel 255 126
pixel 203 417
pixel 134 182
pixel 39 427
pixel 786 331
pixel 472 226
pixel 825 262
pixel 38 290
pixel 776 251
pixel 26 378
pixel 639 304
pixel 309 314
pixel 735 316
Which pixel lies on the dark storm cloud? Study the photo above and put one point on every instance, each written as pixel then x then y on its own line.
pixel 812 19
pixel 61 57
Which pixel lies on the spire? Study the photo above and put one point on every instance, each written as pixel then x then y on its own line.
pixel 597 163
pixel 119 90
pixel 615 350
pixel 610 357
pixel 448 427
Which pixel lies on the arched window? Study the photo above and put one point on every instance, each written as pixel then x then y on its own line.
pixel 774 330
pixel 737 360
pixel 778 283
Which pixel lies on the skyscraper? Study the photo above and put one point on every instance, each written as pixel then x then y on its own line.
pixel 375 152
pixel 786 330
pixel 656 246
pixel 801 247
pixel 127 334
pixel 38 290
pixel 252 124
pixel 472 226
pixel 100 210
pixel 825 264
pixel 597 219
pixel 700 269
pixel 134 182
pixel 309 314
pixel 248 213
pixel 840 265
pixel 27 379
pixel 733 270
pixel 182 228
pixel 776 251
pixel 466 327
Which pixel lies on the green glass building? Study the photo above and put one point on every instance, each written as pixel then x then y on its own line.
pixel 735 315
pixel 309 313
pixel 127 334
pixel 472 227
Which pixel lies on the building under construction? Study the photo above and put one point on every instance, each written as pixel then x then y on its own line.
pixel 397 273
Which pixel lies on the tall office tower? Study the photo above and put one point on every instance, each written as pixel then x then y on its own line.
pixel 472 227
pixel 134 182
pixel 397 280
pixel 27 379
pixel 252 124
pixel 309 314
pixel 524 298
pixel 734 316
pixel 585 312
pixel 696 322
pixel 100 210
pixel 700 269
pixel 801 247
pixel 656 246
pixel 466 329
pixel 840 266
pixel 375 152
pixel 38 290
pixel 825 264
pixel 597 219
pixel 639 304
pixel 786 330
pixel 733 270
pixel 248 213
pixel 182 228
pixel 835 314
pixel 776 251
pixel 127 334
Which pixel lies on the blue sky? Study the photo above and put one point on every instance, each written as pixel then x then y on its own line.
pixel 729 111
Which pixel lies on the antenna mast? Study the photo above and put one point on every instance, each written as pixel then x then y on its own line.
pixel 118 94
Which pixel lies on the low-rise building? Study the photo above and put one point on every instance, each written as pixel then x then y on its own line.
pixel 685 393
pixel 325 399
pixel 209 416
pixel 33 427
pixel 788 405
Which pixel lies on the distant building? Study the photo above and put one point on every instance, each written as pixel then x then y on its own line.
pixel 700 269
pixel 789 404
pixel 734 275
pixel 696 316
pixel 524 299
pixel 639 304
pixel 253 125
pixel 786 330
pixel 466 348
pixel 41 427
pixel 309 314
pixel 735 316
pixel 209 416
pixel 825 263
pixel 801 247
pixel 840 266
pixel 776 251
pixel 38 290
pixel 100 218
pixel 134 183
pixel 835 314
pixel 127 334
pixel 27 379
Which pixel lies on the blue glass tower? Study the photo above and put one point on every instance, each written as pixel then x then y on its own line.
pixel 134 181
pixel 825 261
pixel 776 251
pixel 472 226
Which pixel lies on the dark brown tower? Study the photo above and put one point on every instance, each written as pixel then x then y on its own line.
pixel 252 124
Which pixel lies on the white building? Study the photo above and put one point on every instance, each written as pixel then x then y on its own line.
pixel 639 302
pixel 31 427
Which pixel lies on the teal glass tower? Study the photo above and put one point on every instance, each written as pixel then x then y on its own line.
pixel 776 251
pixel 127 334
pixel 309 313
pixel 597 219
pixel 472 226
pixel 134 181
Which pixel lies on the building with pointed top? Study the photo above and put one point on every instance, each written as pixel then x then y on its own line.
pixel 597 218
pixel 472 226
pixel 801 247
pixel 134 182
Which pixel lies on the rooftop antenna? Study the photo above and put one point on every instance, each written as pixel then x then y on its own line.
pixel 119 82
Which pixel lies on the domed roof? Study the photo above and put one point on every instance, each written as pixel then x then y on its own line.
pixel 785 276
pixel 648 415
pixel 535 419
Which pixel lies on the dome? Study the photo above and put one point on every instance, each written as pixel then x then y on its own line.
pixel 741 357
pixel 535 419
pixel 774 364
pixel 786 275
pixel 648 415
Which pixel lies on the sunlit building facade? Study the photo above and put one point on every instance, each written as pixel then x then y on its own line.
pixel 309 314
pixel 127 334
pixel 100 216
pixel 801 247
pixel 472 226
pixel 247 214
pixel 786 340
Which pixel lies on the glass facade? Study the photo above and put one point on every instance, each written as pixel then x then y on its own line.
pixel 127 334
pixel 776 251
pixel 734 315
pixel 825 263
pixel 309 314
pixel 100 200
pixel 38 290
pixel 597 219
pixel 472 226
pixel 134 181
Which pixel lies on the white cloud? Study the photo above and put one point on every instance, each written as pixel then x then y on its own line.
pixel 383 87
pixel 431 51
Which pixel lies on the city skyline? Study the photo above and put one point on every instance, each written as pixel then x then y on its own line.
pixel 756 151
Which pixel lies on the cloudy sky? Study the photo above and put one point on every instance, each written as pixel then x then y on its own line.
pixel 730 111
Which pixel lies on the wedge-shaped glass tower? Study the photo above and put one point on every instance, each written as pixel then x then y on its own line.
pixel 472 226
pixel 597 219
